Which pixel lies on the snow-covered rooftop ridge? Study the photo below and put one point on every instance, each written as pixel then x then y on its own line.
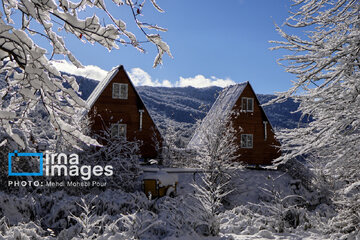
pixel 219 110
pixel 101 86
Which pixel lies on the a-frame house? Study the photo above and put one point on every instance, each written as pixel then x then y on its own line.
pixel 255 135
pixel 115 105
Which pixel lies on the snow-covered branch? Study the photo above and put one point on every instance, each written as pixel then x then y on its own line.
pixel 28 76
pixel 326 63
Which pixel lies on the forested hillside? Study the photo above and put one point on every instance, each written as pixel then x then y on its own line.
pixel 184 106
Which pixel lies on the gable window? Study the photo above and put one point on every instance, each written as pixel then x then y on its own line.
pixel 247 104
pixel 246 141
pixel 118 130
pixel 120 91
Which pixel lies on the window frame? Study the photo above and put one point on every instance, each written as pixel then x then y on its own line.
pixel 245 102
pixel 118 94
pixel 246 143
pixel 118 125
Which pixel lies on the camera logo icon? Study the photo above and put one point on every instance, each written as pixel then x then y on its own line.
pixel 17 155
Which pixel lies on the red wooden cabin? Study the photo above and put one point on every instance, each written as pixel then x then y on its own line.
pixel 257 143
pixel 115 104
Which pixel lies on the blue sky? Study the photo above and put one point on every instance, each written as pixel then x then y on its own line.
pixel 210 41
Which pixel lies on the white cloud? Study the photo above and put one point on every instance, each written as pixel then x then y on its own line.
pixel 141 78
pixel 200 81
pixel 166 83
pixel 89 71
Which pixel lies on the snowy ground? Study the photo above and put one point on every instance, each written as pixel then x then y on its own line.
pixel 248 185
pixel 252 190
pixel 263 234
pixel 252 212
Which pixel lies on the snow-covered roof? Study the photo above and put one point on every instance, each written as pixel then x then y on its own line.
pixel 164 178
pixel 101 86
pixel 219 111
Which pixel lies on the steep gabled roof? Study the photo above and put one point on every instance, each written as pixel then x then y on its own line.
pixel 219 111
pixel 104 83
pixel 101 86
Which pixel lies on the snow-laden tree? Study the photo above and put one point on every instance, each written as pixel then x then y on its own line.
pixel 122 154
pixel 216 156
pixel 219 147
pixel 28 27
pixel 171 154
pixel 326 63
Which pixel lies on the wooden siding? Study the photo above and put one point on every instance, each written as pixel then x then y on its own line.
pixel 107 111
pixel 263 151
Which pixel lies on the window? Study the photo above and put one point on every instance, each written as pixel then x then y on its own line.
pixel 120 91
pixel 247 104
pixel 246 141
pixel 118 130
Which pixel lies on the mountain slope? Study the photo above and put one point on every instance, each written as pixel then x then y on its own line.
pixel 184 106
pixel 188 104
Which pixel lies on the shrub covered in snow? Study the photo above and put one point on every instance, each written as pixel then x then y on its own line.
pixel 113 214
pixel 122 155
